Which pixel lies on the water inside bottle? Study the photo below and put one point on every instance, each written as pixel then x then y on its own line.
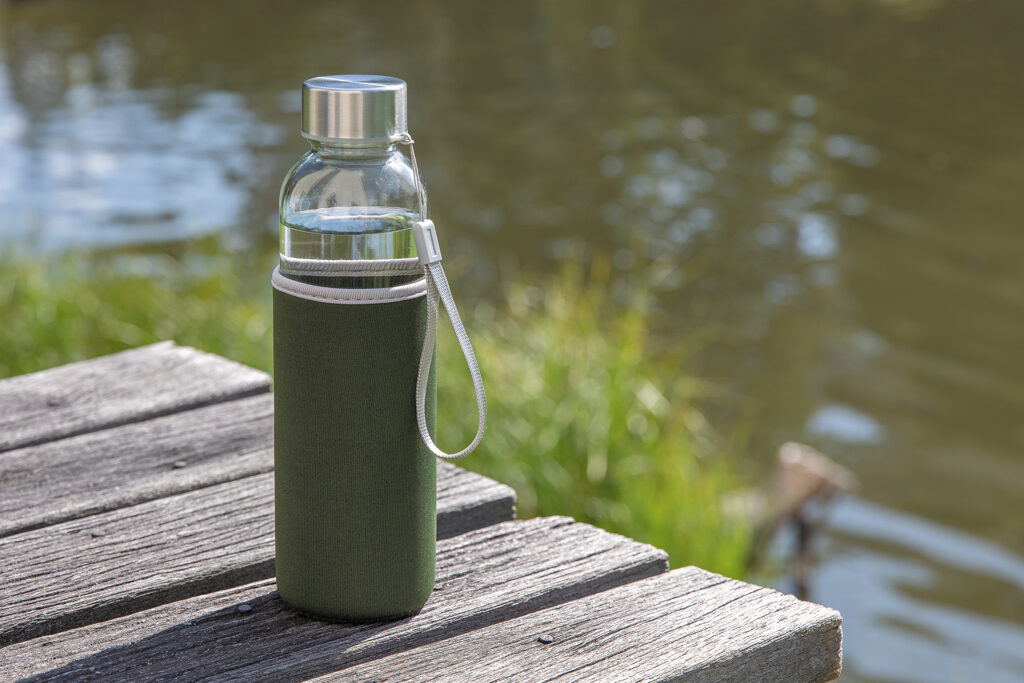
pixel 347 233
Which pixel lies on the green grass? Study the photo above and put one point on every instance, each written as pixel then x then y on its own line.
pixel 80 306
pixel 584 421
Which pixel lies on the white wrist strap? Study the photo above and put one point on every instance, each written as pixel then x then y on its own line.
pixel 429 253
pixel 437 288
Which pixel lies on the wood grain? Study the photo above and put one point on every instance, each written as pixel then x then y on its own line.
pixel 687 625
pixel 114 563
pixel 114 468
pixel 125 387
pixel 484 577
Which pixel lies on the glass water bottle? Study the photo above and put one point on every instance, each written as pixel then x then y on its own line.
pixel 354 481
pixel 354 195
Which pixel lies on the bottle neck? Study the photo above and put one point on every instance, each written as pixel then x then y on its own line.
pixel 347 150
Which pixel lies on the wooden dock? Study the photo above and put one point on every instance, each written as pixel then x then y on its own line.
pixel 136 544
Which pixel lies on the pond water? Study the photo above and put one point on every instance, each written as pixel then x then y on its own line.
pixel 831 192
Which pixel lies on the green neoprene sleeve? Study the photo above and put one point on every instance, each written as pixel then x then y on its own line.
pixel 354 485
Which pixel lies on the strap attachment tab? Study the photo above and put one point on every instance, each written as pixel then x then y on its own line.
pixel 427 248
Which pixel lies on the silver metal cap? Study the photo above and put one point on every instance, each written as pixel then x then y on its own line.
pixel 354 108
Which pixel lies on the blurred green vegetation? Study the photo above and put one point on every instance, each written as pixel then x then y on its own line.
pixel 81 305
pixel 584 420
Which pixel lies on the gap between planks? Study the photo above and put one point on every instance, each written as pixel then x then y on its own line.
pixel 134 385
pixel 115 468
pixel 484 577
pixel 688 625
pixel 114 563
pixel 130 464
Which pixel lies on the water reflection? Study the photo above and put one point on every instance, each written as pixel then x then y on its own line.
pixel 845 424
pixel 830 190
pixel 885 565
pixel 103 164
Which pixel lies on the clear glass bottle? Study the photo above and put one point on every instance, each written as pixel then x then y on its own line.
pixel 354 195
pixel 355 520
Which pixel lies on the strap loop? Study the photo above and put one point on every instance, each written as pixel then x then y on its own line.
pixel 437 287
pixel 429 253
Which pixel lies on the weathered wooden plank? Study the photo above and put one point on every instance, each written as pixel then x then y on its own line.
pixel 130 386
pixel 113 563
pixel 467 501
pixel 484 577
pixel 687 625
pixel 114 468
